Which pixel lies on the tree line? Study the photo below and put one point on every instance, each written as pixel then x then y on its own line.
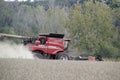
pixel 92 25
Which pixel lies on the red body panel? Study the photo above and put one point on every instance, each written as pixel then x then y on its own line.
pixel 52 45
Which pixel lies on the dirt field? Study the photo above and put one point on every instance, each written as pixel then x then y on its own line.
pixel 28 69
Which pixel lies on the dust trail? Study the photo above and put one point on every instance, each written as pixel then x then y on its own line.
pixel 10 50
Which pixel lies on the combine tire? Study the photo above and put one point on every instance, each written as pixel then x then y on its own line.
pixel 62 56
pixel 38 55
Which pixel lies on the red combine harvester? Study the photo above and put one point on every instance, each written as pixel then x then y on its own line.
pixel 46 46
pixel 50 46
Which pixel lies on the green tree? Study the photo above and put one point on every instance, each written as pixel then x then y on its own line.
pixel 91 29
pixel 6 13
pixel 115 3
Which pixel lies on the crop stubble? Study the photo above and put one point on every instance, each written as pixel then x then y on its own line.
pixel 28 69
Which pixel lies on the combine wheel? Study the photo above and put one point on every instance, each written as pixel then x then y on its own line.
pixel 38 55
pixel 62 56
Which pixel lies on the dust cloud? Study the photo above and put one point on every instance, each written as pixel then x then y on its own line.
pixel 12 50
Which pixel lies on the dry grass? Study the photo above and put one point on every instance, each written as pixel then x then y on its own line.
pixel 26 69
pixel 112 59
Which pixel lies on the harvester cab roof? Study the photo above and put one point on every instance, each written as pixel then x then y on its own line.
pixel 54 35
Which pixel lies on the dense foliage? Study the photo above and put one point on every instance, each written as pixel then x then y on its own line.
pixel 26 19
pixel 92 25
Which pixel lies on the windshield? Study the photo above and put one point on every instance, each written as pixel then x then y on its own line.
pixel 66 45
